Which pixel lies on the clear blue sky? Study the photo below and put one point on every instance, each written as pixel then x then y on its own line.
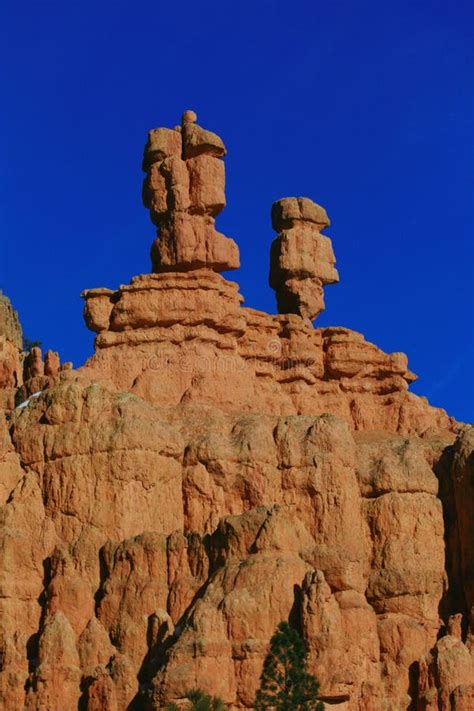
pixel 366 107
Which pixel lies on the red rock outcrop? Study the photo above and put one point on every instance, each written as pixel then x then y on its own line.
pixel 22 373
pixel 39 374
pixel 185 337
pixel 175 540
pixel 184 190
pixel 213 470
pixel 301 259
pixel 182 335
pixel 11 347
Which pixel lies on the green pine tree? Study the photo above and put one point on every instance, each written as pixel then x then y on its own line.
pixel 199 701
pixel 285 685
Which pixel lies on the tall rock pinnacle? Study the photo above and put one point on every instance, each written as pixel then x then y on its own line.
pixel 184 190
pixel 301 259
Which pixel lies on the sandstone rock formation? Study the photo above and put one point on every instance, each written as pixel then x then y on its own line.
pixel 11 346
pixel 166 532
pixel 22 373
pixel 213 470
pixel 184 190
pixel 39 374
pixel 175 337
pixel 182 335
pixel 302 259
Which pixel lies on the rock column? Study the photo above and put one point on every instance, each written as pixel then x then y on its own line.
pixel 184 190
pixel 302 259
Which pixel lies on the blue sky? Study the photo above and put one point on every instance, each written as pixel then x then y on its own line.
pixel 366 107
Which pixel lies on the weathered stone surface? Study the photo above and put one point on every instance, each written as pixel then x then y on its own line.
pixel 162 143
pixel 206 509
pixel 288 212
pixel 10 467
pixel 301 258
pixel 100 693
pixel 166 189
pixel 184 336
pixel 10 327
pixel 206 184
pixel 11 346
pixel 184 190
pixel 11 375
pixel 304 253
pixel 52 364
pixel 142 563
pixel 197 141
pixel 98 304
pixel 447 676
pixel 55 683
pixel 21 373
pixel 34 366
pixel 102 464
pixel 192 242
pixel 39 374
pixel 462 698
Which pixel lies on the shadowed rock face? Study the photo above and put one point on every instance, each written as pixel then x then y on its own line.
pixel 213 470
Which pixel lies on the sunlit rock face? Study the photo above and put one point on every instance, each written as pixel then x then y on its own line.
pixel 301 259
pixel 11 347
pixel 184 190
pixel 213 470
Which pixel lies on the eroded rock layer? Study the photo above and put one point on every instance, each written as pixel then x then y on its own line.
pixel 184 337
pixel 147 549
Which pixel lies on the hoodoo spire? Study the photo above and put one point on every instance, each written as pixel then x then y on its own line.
pixel 301 259
pixel 184 190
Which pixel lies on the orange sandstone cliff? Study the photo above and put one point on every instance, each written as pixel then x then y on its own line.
pixel 213 470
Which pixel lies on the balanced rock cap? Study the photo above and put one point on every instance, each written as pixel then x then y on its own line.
pixel 197 140
pixel 287 211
